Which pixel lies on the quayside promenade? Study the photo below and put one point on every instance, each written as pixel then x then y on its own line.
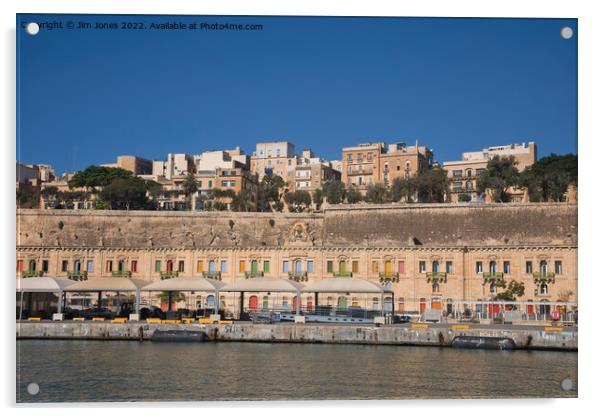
pixel 442 335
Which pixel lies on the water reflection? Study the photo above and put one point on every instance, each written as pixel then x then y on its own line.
pixel 118 371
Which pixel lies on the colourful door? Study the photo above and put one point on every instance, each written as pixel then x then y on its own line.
pixel 388 267
pixel 422 305
pixel 265 303
pixel 295 303
pixel 253 302
pixel 436 304
pixel 342 302
pixel 254 266
pixel 342 267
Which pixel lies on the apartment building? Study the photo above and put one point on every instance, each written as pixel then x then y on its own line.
pixel 135 164
pixel 376 162
pixel 463 174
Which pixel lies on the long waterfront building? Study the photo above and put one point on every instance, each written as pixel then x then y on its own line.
pixel 434 254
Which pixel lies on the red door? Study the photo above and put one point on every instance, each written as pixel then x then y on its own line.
pixel 422 305
pixel 295 304
pixel 309 306
pixel 253 302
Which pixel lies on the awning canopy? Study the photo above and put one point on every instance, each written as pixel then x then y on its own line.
pixel 344 285
pixel 108 284
pixel 263 284
pixel 187 284
pixel 43 284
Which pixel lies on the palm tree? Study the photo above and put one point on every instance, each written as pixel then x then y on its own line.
pixel 189 187
pixel 243 201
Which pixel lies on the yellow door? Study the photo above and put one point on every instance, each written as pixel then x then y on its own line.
pixel 388 267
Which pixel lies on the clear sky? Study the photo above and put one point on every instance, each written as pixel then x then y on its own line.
pixel 85 96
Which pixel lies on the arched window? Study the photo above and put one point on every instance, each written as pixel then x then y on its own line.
pixel 298 266
pixel 375 303
pixel 436 287
pixel 543 289
pixel 543 266
pixel 493 288
pixel 435 266
pixel 469 172
pixel 492 266
pixel 77 265
pixel 120 265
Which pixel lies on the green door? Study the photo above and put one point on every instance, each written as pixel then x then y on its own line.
pixel 342 302
pixel 254 266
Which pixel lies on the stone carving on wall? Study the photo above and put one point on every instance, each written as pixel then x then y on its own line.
pixel 301 234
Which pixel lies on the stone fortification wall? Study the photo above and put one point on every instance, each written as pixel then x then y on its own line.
pixel 382 226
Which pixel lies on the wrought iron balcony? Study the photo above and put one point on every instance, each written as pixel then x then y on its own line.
pixel 298 276
pixel 436 276
pixel 251 274
pixel 32 273
pixel 342 274
pixel 544 277
pixel 388 277
pixel 121 273
pixel 213 275
pixel 168 275
pixel 493 276
pixel 78 275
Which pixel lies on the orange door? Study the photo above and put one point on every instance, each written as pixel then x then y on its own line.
pixel 436 305
pixel 422 305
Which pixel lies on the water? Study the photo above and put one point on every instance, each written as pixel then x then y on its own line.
pixel 74 371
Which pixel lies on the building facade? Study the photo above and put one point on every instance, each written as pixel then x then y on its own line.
pixel 375 162
pixel 463 174
pixel 135 164
pixel 433 255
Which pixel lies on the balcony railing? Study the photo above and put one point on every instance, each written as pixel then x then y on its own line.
pixel 78 275
pixel 297 276
pixel 493 276
pixel 213 275
pixel 388 277
pixel 342 274
pixel 436 276
pixel 252 274
pixel 360 172
pixel 544 277
pixel 168 275
pixel 32 273
pixel 121 273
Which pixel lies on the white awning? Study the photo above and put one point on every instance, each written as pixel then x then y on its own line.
pixel 263 284
pixel 108 284
pixel 344 285
pixel 187 284
pixel 43 284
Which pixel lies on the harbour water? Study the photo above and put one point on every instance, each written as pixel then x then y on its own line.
pixel 92 371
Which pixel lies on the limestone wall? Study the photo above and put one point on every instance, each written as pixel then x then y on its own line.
pixel 376 226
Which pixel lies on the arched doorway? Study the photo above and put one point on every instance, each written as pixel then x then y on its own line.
pixel 210 302
pixel 298 267
pixel 422 305
pixel 253 302
pixel 32 265
pixel 342 266
pixel 342 302
pixel 170 265
pixel 265 303
pixel 388 304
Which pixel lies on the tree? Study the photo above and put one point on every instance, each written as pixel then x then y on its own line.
pixel 189 186
pixel 125 193
pixel 464 198
pixel 353 195
pixel 269 193
pixel 243 201
pixel 335 192
pixel 403 189
pixel 377 193
pixel 514 290
pixel 499 176
pixel 298 201
pixel 318 198
pixel 97 176
pixel 548 179
pixel 431 185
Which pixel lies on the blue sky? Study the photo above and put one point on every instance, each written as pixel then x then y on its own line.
pixel 86 96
